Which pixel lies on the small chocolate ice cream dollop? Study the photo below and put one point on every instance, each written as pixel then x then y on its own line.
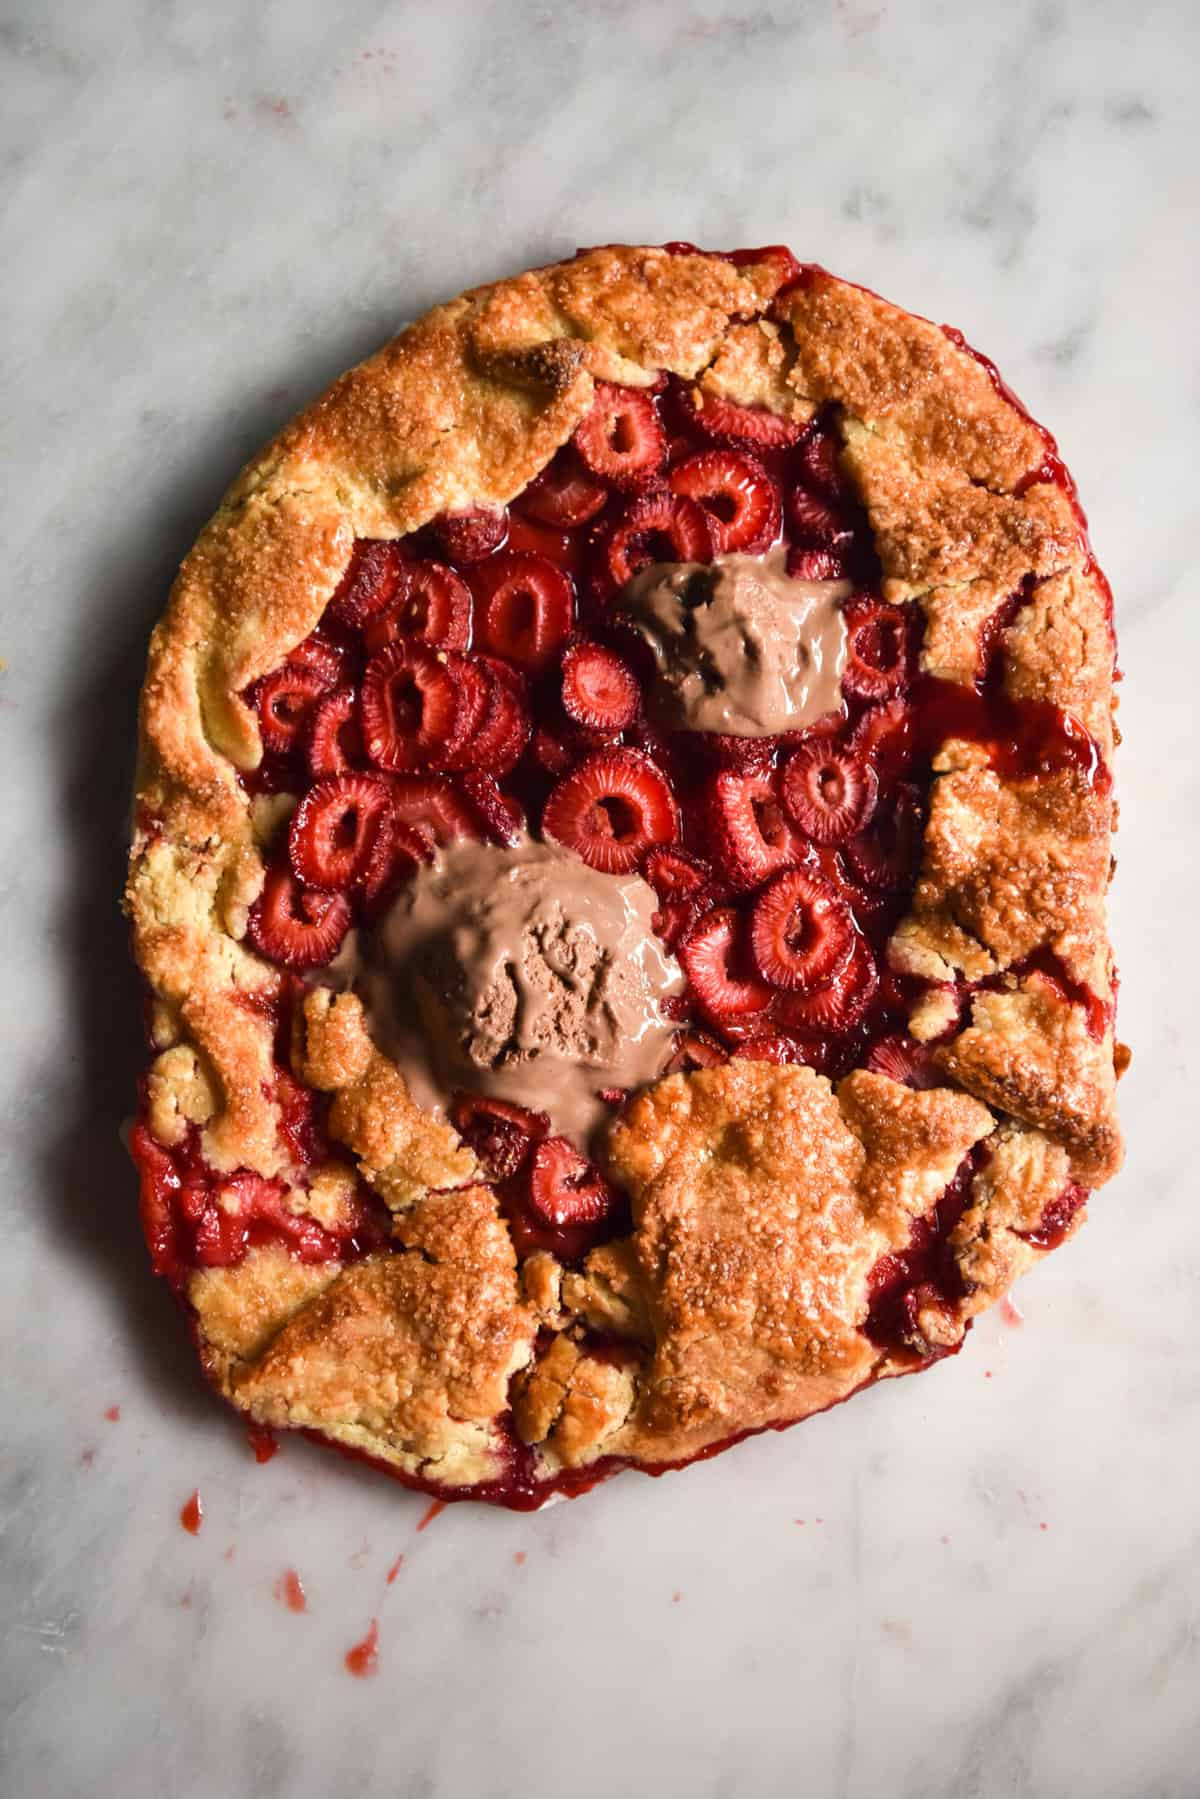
pixel 740 647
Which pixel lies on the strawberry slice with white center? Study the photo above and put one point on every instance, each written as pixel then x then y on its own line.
pixel 599 689
pixel 738 496
pixel 297 926
pixel 565 1188
pixel 713 957
pixel 724 421
pixel 412 710
pixel 660 527
pixel 611 810
pixel 468 536
pixel 431 603
pixel 369 583
pixel 621 441
pixel 334 827
pixel 502 1135
pixel 840 1003
pixel 748 832
pixel 334 739
pixel 801 932
pixel 526 607
pixel 879 648
pixel 564 495
pixel 830 792
pixel 285 701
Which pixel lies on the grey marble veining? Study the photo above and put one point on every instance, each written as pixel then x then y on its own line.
pixel 982 1584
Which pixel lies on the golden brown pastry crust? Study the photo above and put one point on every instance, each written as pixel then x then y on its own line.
pixel 762 1197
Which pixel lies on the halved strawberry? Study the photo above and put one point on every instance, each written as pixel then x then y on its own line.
pixel 817 461
pixel 502 816
pixel 369 582
pixel 611 809
pixel 621 440
pixel 432 806
pixel 472 534
pixel 813 522
pixel 817 565
pixel 905 1060
pixel 879 648
pixel 830 792
pixel 502 1135
pixel 498 741
pixel 431 602
pixel 696 1049
pixel 737 494
pixel 841 1002
pixel 565 1188
pixel 526 607
pixel 724 421
pixel 296 926
pixel 801 931
pixel 563 495
pixel 599 689
pixel 332 829
pixel 748 832
pixel 714 959
pixel 660 527
pixel 285 700
pixel 334 739
pixel 885 856
pixel 412 708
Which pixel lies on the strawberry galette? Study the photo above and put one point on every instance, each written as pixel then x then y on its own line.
pixel 620 859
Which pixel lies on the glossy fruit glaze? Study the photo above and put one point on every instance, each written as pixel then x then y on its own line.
pixel 477 679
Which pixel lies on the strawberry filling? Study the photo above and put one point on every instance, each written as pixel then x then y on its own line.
pixel 621 441
pixel 801 932
pixel 502 1135
pixel 599 689
pixel 565 1188
pixel 564 495
pixel 334 739
pixel 285 702
pixel 334 829
pixel 526 608
pixel 829 792
pixel 713 956
pixel 748 832
pixel 611 810
pixel 661 527
pixel 878 649
pixel 471 535
pixel 294 925
pixel 412 711
pixel 738 496
pixel 369 583
pixel 430 602
pixel 725 422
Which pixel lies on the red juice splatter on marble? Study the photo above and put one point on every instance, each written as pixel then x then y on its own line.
pixel 363 1660
pixel 191 1514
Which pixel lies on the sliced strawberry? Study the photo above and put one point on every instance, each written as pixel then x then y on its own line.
pixel 660 527
pixel 598 688
pixel 412 708
pixel 713 957
pixel 526 607
pixel 285 702
pixel 315 651
pixel 879 648
pixel 886 737
pixel 502 816
pixel 396 852
pixel 814 524
pixel 885 856
pixel 839 1004
pixel 817 462
pixel 830 792
pixel 369 582
pixel 565 1188
pixel 746 755
pixel 158 1186
pixel 470 535
pixel 750 836
pixel 498 741
pixel 724 421
pixel 563 496
pixel 431 603
pixel 675 873
pixel 621 441
pixel 551 751
pixel 334 739
pixel 801 932
pixel 332 829
pixel 611 809
pixel 296 926
pixel 770 1046
pixel 696 1049
pixel 905 1060
pixel 563 548
pixel 502 1135
pixel 737 494
pixel 817 565
pixel 433 807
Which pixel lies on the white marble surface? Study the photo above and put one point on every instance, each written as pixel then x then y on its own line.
pixel 982 1583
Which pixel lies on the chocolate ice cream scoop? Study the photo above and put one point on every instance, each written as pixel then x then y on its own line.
pixel 740 646
pixel 524 974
